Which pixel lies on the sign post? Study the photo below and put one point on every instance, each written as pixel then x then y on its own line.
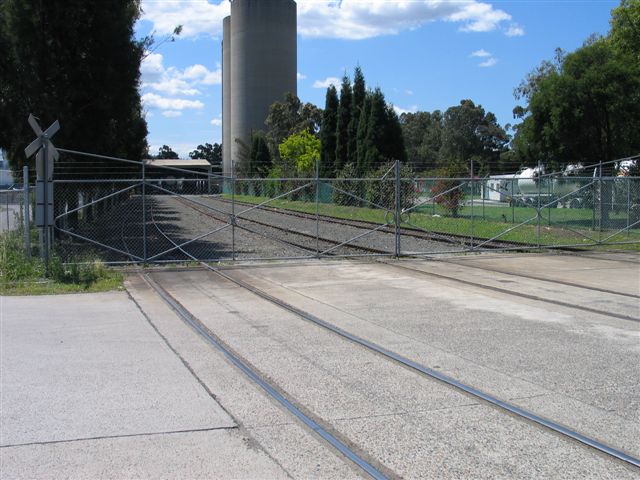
pixel 46 155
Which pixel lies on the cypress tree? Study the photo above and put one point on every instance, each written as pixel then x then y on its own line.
pixel 376 130
pixel 328 133
pixel 260 156
pixel 342 128
pixel 361 137
pixel 393 144
pixel 358 101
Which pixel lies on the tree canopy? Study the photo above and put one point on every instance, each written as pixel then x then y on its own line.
pixel 299 153
pixel 75 61
pixel 209 152
pixel 585 106
pixel 165 152
pixel 288 117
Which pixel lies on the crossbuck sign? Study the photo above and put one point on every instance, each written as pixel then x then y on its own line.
pixel 46 155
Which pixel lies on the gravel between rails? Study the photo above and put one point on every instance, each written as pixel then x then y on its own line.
pixel 360 239
pixel 191 220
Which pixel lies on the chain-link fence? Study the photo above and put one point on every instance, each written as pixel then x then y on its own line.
pixel 151 213
pixel 16 210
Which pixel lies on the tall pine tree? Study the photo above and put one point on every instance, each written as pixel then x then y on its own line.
pixel 376 129
pixel 358 102
pixel 361 146
pixel 328 133
pixel 393 138
pixel 342 127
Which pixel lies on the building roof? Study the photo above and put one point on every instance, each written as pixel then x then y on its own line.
pixel 152 162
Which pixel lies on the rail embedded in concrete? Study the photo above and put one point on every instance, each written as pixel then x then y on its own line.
pixel 255 377
pixel 474 392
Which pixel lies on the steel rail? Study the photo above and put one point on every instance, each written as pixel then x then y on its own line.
pixel 202 330
pixel 542 279
pixel 295 232
pixel 414 231
pixel 518 294
pixel 474 392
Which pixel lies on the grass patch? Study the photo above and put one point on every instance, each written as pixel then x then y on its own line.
pixel 564 226
pixel 20 275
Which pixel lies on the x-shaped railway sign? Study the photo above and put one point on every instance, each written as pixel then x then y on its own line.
pixel 39 144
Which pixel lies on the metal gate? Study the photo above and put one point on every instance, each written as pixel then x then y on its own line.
pixel 132 211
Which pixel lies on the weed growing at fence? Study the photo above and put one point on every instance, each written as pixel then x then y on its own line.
pixel 21 275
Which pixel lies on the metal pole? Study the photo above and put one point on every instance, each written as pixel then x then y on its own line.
pixel 233 211
pixel 144 212
pixel 484 189
pixel 318 208
pixel 25 211
pixel 45 185
pixel 628 205
pixel 6 201
pixel 538 203
pixel 513 202
pixel 600 203
pixel 398 208
pixel 472 209
pixel 549 182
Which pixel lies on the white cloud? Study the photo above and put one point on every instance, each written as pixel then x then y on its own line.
pixel 197 17
pixel 173 86
pixel 151 100
pixel 400 111
pixel 488 63
pixel 217 121
pixel 348 19
pixel 151 68
pixel 479 17
pixel 481 53
pixel 514 30
pixel 326 82
pixel 409 92
pixel 171 113
pixel 301 76
pixel 200 74
pixel 172 81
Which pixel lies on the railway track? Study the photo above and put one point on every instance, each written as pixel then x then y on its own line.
pixel 313 251
pixel 514 293
pixel 469 390
pixel 406 231
pixel 484 268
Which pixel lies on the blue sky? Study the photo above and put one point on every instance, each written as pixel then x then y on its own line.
pixel 423 54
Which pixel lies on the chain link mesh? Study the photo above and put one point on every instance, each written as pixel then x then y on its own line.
pixel 167 215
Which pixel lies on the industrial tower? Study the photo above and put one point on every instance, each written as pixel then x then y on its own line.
pixel 259 65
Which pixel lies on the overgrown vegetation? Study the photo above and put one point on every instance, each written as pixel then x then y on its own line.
pixel 21 275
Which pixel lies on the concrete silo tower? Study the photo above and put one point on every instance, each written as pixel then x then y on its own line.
pixel 259 65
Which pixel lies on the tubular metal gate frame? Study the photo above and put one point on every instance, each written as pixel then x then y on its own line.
pixel 396 218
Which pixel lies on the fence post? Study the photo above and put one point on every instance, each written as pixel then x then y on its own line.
pixel 398 208
pixel 628 205
pixel 233 211
pixel 317 208
pixel 600 204
pixel 25 211
pixel 538 203
pixel 472 207
pixel 513 201
pixel 144 213
pixel 45 185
